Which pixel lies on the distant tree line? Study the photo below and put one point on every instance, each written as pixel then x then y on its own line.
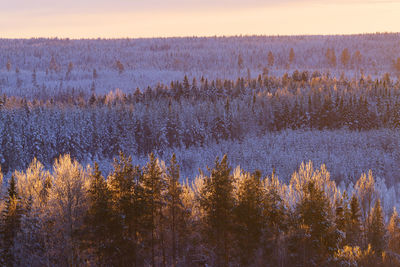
pixel 147 216
pixel 42 68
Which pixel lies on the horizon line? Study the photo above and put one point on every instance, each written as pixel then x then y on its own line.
pixel 200 36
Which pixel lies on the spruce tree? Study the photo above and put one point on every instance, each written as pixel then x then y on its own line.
pixel 127 198
pixel 216 200
pixel 376 231
pixel 345 57
pixel 240 63
pixel 248 217
pixel 340 216
pixel 31 247
pixel 97 227
pixel 175 210
pixel 154 186
pixel 274 216
pixel 136 225
pixel 1 183
pixel 394 232
pixel 8 65
pixel 94 75
pixel 327 115
pixel 353 229
pixel 11 222
pixel 120 67
pixel 291 56
pixel 314 212
pixel 270 59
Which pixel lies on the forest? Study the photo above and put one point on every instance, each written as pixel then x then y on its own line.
pixel 217 151
pixel 148 216
pixel 203 115
pixel 66 65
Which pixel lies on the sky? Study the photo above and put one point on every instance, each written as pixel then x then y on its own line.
pixel 170 18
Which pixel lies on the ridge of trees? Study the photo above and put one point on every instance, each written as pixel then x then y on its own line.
pixel 190 113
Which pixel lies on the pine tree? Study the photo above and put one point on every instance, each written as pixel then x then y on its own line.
pixel 216 200
pixel 11 222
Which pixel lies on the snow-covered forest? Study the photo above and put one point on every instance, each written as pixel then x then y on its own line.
pixel 145 215
pixel 300 116
pixel 79 119
pixel 63 65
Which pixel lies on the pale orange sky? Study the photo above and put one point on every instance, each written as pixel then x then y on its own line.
pixel 151 18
